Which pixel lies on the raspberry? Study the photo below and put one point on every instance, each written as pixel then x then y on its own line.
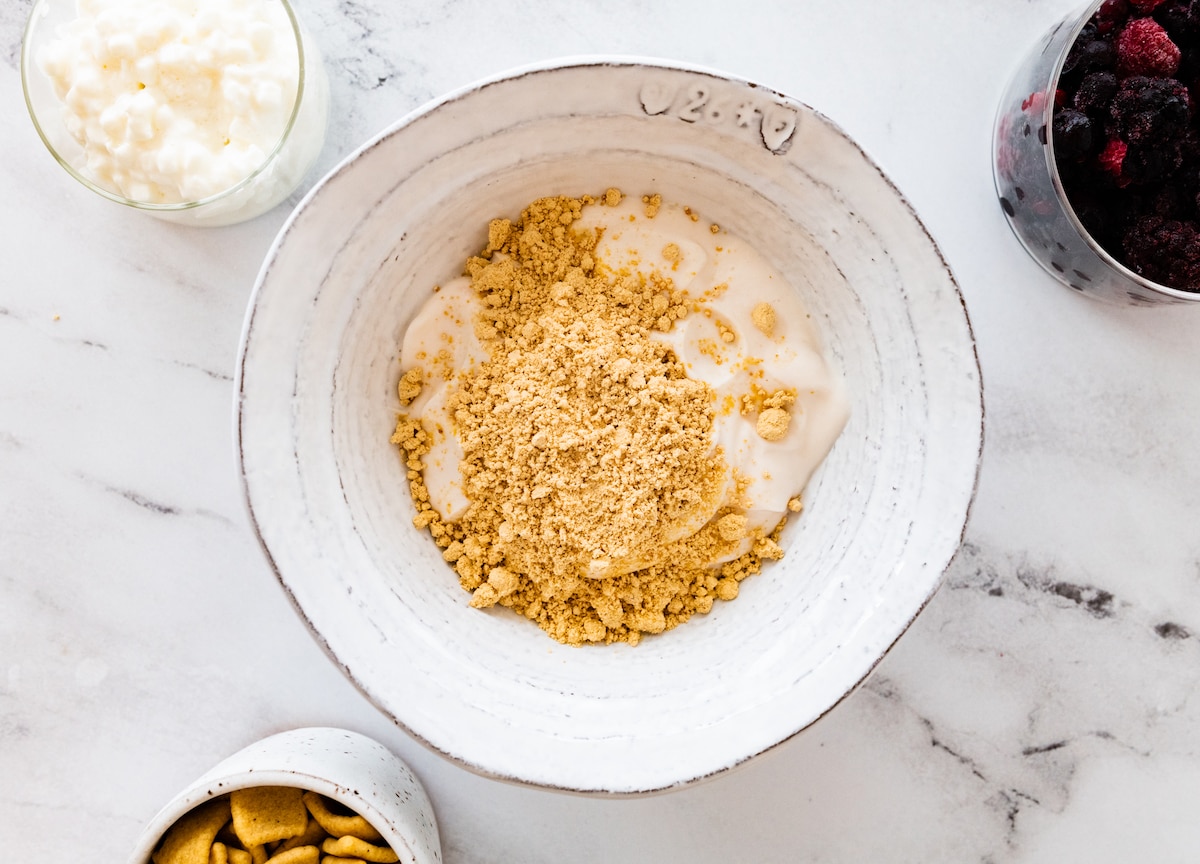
pixel 1144 48
pixel 1152 110
pixel 1072 135
pixel 1112 157
pixel 1164 250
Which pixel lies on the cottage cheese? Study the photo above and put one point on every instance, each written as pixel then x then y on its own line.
pixel 175 101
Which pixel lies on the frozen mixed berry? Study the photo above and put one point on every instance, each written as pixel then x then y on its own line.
pixel 1181 20
pixel 1164 250
pixel 1090 52
pixel 1150 109
pixel 1072 135
pixel 1144 48
pixel 1126 139
pixel 1099 208
pixel 1112 158
pixel 1147 163
pixel 1111 15
pixel 1095 94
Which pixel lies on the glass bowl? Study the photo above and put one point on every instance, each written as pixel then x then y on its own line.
pixel 1031 190
pixel 286 162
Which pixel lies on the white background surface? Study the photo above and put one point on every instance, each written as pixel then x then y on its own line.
pixel 1043 708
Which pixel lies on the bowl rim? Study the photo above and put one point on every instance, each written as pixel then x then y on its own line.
pixel 516 72
pixel 27 63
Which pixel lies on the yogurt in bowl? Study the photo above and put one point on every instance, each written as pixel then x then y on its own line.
pixel 203 112
pixel 612 415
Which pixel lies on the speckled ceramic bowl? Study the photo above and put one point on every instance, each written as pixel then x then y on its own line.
pixel 327 493
pixel 343 766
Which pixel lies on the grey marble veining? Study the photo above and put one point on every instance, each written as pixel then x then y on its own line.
pixel 1042 708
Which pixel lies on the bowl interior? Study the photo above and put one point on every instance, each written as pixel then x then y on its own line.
pixel 328 493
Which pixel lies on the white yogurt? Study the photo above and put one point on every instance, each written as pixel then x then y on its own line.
pixel 441 341
pixel 177 101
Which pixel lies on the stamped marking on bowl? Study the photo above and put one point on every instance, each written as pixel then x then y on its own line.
pixel 702 102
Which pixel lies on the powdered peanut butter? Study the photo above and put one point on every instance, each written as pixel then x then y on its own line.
pixel 596 494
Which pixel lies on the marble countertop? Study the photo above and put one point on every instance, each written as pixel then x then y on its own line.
pixel 1045 706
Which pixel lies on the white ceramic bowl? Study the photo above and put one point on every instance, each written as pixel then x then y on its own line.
pixel 344 766
pixel 327 492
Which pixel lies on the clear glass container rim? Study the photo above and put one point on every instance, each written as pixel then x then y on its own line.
pixel 27 70
pixel 1056 180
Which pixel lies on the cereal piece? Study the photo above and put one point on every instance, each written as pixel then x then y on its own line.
pixel 312 835
pixel 297 855
pixel 258 854
pixel 352 847
pixel 333 859
pixel 773 424
pixel 264 814
pixel 218 854
pixel 239 856
pixel 763 316
pixel 795 505
pixel 410 384
pixel 338 825
pixel 653 203
pixel 671 252
pixel 612 197
pixel 190 839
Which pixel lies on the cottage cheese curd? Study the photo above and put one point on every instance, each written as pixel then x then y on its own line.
pixel 176 101
pixel 748 334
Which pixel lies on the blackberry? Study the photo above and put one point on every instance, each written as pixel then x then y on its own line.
pixel 1149 163
pixel 1151 110
pixel 1165 251
pixel 1181 20
pixel 1095 94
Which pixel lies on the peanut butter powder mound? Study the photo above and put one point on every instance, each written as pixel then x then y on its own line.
pixel 594 485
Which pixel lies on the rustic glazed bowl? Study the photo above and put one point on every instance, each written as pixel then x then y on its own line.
pixel 327 491
pixel 344 766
